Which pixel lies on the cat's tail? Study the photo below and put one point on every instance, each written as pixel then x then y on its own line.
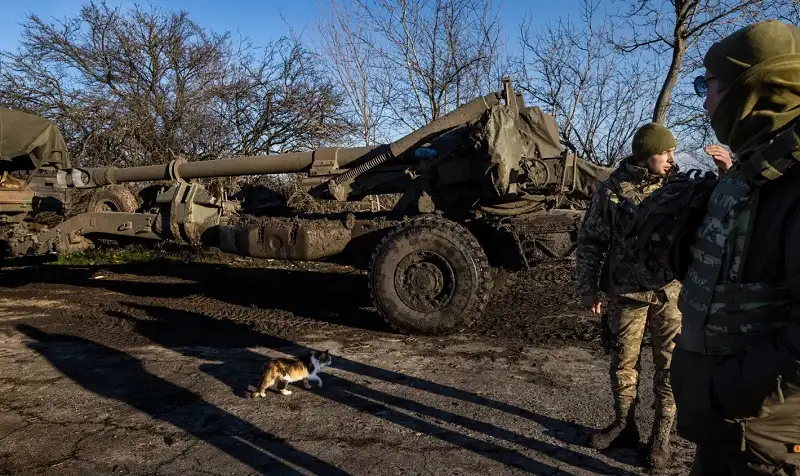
pixel 251 391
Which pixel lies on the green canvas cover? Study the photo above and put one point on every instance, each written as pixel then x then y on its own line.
pixel 534 135
pixel 586 178
pixel 505 147
pixel 27 135
pixel 542 130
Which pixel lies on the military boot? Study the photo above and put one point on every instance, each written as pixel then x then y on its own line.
pixel 621 432
pixel 658 446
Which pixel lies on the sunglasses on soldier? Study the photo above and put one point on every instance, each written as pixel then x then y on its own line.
pixel 700 86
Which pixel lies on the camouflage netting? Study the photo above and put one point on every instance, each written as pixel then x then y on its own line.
pixel 28 141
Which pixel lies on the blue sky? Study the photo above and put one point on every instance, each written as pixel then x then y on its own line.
pixel 259 20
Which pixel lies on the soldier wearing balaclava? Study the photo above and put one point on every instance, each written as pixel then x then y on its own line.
pixel 736 366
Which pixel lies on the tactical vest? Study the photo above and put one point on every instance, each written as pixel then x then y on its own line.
pixel 667 220
pixel 625 198
pixel 721 314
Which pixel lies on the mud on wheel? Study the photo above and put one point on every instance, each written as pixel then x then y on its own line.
pixel 430 276
pixel 113 198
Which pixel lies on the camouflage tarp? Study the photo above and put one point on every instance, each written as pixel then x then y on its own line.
pixel 26 135
pixel 542 129
pixel 504 146
pixel 534 135
pixel 584 183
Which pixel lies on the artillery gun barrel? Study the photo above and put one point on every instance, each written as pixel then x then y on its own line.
pixel 293 162
pixel 255 165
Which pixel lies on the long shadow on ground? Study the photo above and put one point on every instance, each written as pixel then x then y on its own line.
pixel 333 298
pixel 167 327
pixel 329 297
pixel 114 374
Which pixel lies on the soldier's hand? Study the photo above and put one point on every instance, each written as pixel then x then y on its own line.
pixel 592 303
pixel 720 155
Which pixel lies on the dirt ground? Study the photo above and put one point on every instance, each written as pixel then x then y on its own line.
pixel 140 369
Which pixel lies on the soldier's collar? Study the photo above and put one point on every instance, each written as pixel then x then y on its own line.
pixel 770 160
pixel 637 173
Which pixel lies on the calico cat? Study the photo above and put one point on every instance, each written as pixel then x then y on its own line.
pixel 282 371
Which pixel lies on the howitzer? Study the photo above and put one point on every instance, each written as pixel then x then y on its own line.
pixel 484 190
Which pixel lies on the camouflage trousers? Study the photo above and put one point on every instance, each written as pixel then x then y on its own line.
pixel 629 315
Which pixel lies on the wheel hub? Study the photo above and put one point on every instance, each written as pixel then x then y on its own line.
pixel 426 278
pixel 424 281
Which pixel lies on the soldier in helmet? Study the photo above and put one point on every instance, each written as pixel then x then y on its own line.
pixel 736 368
pixel 638 296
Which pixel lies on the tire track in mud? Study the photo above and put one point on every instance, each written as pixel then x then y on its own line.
pixel 124 318
pixel 540 307
pixel 267 320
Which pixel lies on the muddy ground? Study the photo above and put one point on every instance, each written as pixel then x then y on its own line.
pixel 140 369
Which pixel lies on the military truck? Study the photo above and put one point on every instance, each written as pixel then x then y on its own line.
pixel 486 190
pixel 34 148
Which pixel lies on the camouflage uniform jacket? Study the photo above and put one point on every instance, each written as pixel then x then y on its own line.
pixel 599 238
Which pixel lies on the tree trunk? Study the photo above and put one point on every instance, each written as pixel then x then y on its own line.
pixel 662 104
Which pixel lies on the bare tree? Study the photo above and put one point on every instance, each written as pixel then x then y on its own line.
pixel 278 99
pixel 598 98
pixel 136 87
pixel 439 53
pixel 366 85
pixel 673 27
pixel 788 11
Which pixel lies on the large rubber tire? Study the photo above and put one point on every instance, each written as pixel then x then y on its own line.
pixel 113 198
pixel 430 276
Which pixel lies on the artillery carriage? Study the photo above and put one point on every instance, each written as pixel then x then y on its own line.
pixel 485 191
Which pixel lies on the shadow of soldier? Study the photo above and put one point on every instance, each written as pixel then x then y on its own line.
pixel 167 327
pixel 120 376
